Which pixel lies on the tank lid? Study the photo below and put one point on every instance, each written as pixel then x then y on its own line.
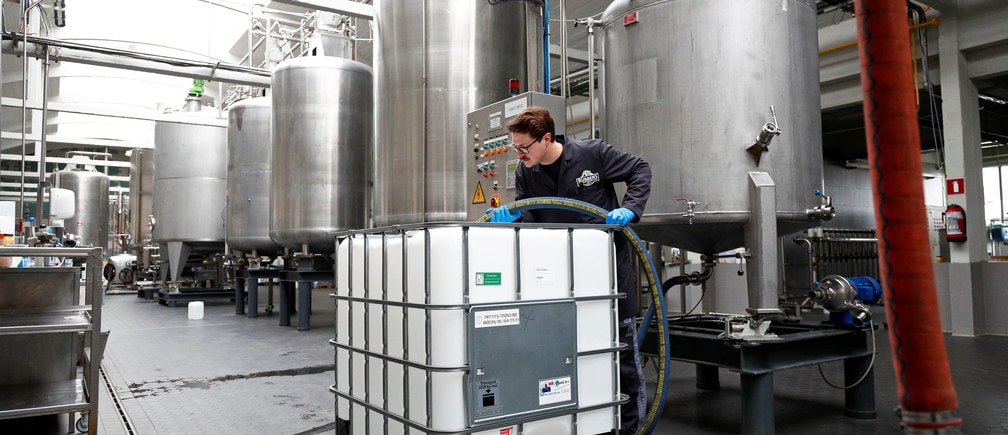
pixel 255 102
pixel 323 62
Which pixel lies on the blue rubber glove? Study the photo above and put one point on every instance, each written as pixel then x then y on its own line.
pixel 619 216
pixel 502 215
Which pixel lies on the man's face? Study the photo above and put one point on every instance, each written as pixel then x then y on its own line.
pixel 529 149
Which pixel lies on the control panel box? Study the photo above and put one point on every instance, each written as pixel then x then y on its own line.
pixel 490 175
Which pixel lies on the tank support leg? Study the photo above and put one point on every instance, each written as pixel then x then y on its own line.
pixel 304 289
pixel 707 378
pixel 285 302
pixel 757 404
pixel 253 297
pixel 859 400
pixel 239 289
pixel 342 426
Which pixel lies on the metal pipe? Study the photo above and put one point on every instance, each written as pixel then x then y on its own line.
pixel 24 107
pixel 682 287
pixel 1001 195
pixel 251 27
pixel 932 22
pixel 851 239
pixel 88 153
pixel 570 76
pixel 42 142
pixel 546 45
pixel 564 71
pixel 591 74
pixel 135 61
pixel 342 7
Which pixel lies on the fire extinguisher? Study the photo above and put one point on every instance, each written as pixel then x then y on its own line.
pixel 955 223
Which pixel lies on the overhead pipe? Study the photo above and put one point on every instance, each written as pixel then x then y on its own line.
pixel 927 397
pixel 932 21
pixel 135 61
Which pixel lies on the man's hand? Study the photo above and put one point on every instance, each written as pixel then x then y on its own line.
pixel 503 215
pixel 619 216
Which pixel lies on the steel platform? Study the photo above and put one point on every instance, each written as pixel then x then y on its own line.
pixel 701 340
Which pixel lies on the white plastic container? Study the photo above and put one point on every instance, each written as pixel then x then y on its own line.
pixel 440 272
pixel 196 310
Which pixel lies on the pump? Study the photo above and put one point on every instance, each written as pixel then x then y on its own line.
pixel 847 299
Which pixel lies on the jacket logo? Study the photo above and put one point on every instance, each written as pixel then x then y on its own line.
pixel 587 178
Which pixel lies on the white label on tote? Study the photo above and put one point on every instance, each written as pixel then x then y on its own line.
pixel 544 275
pixel 490 319
pixel 554 390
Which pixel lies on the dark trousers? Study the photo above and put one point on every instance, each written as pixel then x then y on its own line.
pixel 633 412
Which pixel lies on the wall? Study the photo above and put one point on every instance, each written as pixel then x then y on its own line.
pixel 993 296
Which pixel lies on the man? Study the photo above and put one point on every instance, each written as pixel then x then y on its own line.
pixel 586 170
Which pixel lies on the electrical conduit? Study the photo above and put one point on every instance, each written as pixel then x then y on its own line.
pixel 546 47
pixel 927 397
pixel 658 296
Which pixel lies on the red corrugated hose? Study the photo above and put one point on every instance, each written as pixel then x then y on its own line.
pixel 927 397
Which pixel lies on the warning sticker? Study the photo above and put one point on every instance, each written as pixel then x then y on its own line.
pixel 486 396
pixel 490 319
pixel 554 390
pixel 478 197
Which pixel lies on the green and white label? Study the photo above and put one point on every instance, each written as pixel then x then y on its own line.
pixel 488 278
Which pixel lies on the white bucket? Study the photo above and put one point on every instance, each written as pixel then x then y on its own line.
pixel 196 310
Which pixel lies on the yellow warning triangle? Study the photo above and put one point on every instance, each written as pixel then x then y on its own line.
pixel 478 197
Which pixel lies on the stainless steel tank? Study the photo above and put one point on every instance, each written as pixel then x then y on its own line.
pixel 190 186
pixel 688 87
pixel 322 150
pixel 436 61
pixel 90 222
pixel 141 197
pixel 248 176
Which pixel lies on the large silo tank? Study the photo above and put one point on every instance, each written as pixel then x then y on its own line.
pixel 190 185
pixel 436 61
pixel 141 196
pixel 322 150
pixel 90 222
pixel 248 176
pixel 689 85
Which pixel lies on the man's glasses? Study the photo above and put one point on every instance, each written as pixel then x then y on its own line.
pixel 524 149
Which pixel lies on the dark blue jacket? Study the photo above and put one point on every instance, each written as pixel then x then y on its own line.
pixel 588 171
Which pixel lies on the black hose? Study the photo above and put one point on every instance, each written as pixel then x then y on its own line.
pixel 658 297
pixel 674 281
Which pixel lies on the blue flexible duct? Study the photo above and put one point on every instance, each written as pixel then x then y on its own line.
pixel 658 295
pixel 546 47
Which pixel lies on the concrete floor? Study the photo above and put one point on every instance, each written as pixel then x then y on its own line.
pixel 229 373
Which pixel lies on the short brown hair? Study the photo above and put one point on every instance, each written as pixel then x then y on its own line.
pixel 534 121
